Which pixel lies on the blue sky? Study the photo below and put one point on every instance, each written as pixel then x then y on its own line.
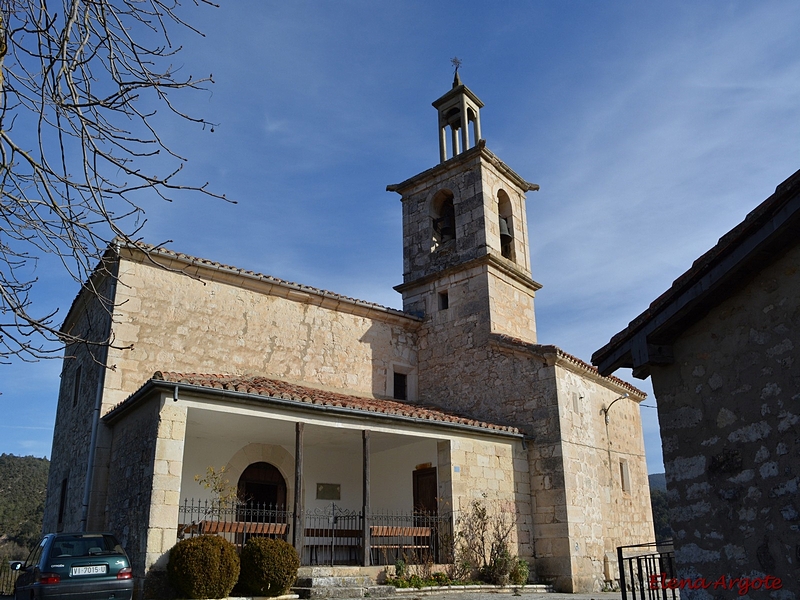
pixel 652 128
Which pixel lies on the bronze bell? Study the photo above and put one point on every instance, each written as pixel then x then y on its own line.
pixel 505 234
pixel 447 227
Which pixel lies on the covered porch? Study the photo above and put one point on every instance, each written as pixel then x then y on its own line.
pixel 333 536
pixel 371 493
pixel 346 480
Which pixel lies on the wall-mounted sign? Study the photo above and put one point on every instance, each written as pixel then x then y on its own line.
pixel 329 491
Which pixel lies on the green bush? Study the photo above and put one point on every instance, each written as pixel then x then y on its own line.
pixel 520 572
pixel 269 567
pixel 206 566
pixel 498 570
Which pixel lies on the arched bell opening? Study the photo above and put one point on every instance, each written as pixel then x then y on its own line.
pixel 506 224
pixel 262 485
pixel 472 117
pixel 443 219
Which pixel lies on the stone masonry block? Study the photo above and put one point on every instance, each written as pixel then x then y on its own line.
pixel 163 516
pixel 166 482
pixel 155 541
pixel 169 449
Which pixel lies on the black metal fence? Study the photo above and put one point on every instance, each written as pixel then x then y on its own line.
pixel 7 579
pixel 331 536
pixel 644 568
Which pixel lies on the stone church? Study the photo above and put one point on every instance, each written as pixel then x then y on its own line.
pixel 318 401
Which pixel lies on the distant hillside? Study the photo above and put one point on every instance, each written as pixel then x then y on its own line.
pixel 658 499
pixel 23 484
pixel 658 481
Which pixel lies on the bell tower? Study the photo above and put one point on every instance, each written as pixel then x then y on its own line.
pixel 457 109
pixel 465 238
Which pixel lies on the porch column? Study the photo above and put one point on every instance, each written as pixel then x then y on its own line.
pixel 366 509
pixel 165 489
pixel 298 520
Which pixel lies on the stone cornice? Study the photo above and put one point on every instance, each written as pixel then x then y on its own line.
pixel 553 355
pixel 502 264
pixel 478 151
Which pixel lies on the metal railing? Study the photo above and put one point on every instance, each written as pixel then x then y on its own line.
pixel 235 521
pixel 332 535
pixel 7 578
pixel 416 538
pixel 643 567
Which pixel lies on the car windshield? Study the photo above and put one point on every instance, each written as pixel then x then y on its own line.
pixel 84 545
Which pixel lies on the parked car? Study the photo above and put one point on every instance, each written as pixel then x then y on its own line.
pixel 75 566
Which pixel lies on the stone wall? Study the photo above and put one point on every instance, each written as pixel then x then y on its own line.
pixel 131 474
pixel 494 474
pixel 511 306
pixel 579 512
pixel 728 409
pixel 603 512
pixel 143 495
pixel 233 325
pixel 74 412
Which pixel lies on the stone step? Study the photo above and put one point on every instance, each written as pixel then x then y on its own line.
pixel 372 591
pixel 339 571
pixel 529 587
pixel 388 591
pixel 335 581
pixel 329 592
pixel 380 591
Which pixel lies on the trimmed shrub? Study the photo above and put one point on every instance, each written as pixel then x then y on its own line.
pixel 206 566
pixel 269 566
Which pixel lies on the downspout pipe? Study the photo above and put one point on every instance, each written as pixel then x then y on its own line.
pixel 98 400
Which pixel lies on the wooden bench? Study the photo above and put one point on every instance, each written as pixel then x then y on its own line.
pixel 397 539
pixel 271 529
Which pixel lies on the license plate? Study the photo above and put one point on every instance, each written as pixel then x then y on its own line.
pixel 90 570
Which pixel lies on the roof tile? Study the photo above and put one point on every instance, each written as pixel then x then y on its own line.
pixel 276 388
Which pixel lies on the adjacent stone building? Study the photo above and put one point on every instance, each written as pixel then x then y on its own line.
pixel 721 349
pixel 447 401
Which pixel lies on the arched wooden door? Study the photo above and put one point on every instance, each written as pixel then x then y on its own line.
pixel 261 484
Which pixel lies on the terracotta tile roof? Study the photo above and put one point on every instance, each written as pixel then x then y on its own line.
pixel 275 388
pixel 210 264
pixel 541 349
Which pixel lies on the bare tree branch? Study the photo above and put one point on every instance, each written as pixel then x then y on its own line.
pixel 78 143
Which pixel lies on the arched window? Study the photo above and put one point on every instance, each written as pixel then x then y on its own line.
pixel 506 223
pixel 262 484
pixel 443 219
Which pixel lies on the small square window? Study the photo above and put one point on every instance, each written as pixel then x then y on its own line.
pixel 76 387
pixel 400 386
pixel 444 301
pixel 62 504
pixel 625 476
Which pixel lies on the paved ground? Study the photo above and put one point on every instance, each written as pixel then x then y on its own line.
pixel 523 595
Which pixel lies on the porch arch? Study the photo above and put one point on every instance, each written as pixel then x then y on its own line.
pixel 263 484
pixel 277 456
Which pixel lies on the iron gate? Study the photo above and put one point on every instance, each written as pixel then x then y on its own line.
pixel 643 567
